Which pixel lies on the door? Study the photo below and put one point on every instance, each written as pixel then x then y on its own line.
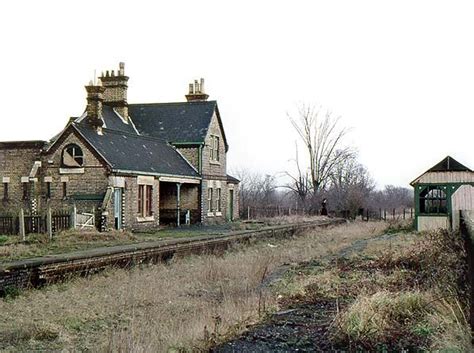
pixel 231 205
pixel 118 208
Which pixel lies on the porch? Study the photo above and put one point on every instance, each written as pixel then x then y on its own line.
pixel 179 201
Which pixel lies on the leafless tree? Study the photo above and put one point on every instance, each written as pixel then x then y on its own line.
pixel 322 139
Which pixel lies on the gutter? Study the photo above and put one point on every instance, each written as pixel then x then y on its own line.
pixel 137 172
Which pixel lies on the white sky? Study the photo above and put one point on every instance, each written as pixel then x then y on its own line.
pixel 400 73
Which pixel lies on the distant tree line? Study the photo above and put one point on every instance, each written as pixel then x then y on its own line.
pixel 326 169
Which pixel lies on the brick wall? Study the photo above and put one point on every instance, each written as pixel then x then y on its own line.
pixel 191 154
pixel 90 182
pixel 16 163
pixel 132 219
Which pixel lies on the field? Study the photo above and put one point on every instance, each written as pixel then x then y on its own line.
pixel 200 302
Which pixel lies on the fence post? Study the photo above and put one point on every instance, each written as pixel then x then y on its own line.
pixel 74 216
pixel 380 213
pixel 21 219
pixel 248 212
pixel 384 214
pixel 367 215
pixel 411 213
pixel 49 224
pixel 393 213
pixel 404 213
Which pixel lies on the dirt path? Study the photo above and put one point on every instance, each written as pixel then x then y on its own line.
pixel 301 327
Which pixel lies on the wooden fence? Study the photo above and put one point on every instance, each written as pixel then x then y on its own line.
pixel 365 214
pixel 34 224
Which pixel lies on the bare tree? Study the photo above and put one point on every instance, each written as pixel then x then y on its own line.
pixel 322 139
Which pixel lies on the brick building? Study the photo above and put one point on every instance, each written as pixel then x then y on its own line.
pixel 136 166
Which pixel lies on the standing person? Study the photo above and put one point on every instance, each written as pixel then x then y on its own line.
pixel 324 210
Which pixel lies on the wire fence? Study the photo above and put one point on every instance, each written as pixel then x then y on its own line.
pixel 364 214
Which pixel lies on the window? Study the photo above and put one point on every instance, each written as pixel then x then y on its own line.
pixel 48 190
pixel 5 191
pixel 64 190
pixel 433 200
pixel 209 200
pixel 214 148
pixel 145 199
pixel 72 156
pixel 218 200
pixel 26 191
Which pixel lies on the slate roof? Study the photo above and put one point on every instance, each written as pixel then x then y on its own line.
pixel 231 179
pixel 131 152
pixel 174 122
pixel 113 122
pixel 449 164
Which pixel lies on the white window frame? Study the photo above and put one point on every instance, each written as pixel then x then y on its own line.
pixel 210 196
pixel 219 202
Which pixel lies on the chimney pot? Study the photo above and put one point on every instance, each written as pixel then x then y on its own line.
pixel 191 88
pixel 121 69
pixel 201 86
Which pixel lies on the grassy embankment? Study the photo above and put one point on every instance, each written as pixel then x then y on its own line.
pixel 405 293
pixel 191 302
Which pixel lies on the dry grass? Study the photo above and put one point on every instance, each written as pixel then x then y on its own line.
pixel 188 303
pixel 66 241
pixel 12 247
pixel 411 296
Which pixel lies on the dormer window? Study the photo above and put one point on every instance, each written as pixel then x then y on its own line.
pixel 72 156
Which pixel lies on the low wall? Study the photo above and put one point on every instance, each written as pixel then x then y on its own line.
pixel 40 271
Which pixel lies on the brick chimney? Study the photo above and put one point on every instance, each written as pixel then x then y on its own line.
pixel 116 90
pixel 196 91
pixel 95 97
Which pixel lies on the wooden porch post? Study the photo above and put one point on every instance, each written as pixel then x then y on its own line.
pixel 178 202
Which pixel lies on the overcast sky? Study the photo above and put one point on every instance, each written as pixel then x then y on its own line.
pixel 400 73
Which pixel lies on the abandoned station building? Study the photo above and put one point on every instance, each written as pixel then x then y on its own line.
pixel 441 193
pixel 137 166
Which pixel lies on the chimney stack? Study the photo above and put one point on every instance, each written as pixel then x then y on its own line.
pixel 116 90
pixel 196 91
pixel 95 98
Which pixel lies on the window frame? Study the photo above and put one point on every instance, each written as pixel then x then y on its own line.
pixel 145 200
pixel 210 196
pixel 75 148
pixel 5 191
pixel 218 200
pixel 214 149
pixel 434 204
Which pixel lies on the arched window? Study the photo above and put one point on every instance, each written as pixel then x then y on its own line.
pixel 433 200
pixel 72 156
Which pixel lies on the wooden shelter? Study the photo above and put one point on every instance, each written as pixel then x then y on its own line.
pixel 440 193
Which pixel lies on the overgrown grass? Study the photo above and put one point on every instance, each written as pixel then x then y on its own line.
pixel 412 298
pixel 13 247
pixel 188 304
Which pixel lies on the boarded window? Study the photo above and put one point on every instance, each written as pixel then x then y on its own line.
pixel 145 200
pixel 72 156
